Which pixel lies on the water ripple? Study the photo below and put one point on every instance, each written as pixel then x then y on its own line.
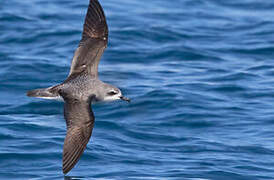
pixel 199 74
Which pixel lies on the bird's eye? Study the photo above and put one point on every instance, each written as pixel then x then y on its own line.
pixel 111 93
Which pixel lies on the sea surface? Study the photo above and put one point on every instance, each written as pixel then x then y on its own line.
pixel 200 74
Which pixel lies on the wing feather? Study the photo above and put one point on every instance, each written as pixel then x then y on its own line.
pixel 74 146
pixel 94 41
pixel 80 121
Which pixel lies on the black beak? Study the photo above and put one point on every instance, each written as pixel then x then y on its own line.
pixel 125 99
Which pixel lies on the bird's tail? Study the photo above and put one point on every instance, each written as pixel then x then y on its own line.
pixel 46 93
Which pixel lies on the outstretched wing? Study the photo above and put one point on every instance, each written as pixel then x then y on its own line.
pixel 94 41
pixel 80 121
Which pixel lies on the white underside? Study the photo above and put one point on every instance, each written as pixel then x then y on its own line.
pixel 58 98
pixel 106 99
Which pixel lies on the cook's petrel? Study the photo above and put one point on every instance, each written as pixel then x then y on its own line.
pixel 82 86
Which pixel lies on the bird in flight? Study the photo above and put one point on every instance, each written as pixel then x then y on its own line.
pixel 82 87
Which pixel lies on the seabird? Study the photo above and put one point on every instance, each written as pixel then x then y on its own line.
pixel 82 86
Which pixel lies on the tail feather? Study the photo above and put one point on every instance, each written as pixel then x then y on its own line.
pixel 46 93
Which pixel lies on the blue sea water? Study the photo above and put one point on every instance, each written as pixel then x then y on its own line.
pixel 200 75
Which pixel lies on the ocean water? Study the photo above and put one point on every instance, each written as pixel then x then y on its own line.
pixel 200 75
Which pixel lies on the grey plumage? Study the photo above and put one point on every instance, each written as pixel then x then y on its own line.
pixel 82 87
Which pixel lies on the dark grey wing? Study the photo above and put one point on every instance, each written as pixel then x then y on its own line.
pixel 80 121
pixel 94 41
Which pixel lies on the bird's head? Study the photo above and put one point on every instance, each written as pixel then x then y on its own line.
pixel 111 93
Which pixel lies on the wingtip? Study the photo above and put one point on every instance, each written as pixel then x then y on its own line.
pixel 66 168
pixel 65 171
pixel 95 25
